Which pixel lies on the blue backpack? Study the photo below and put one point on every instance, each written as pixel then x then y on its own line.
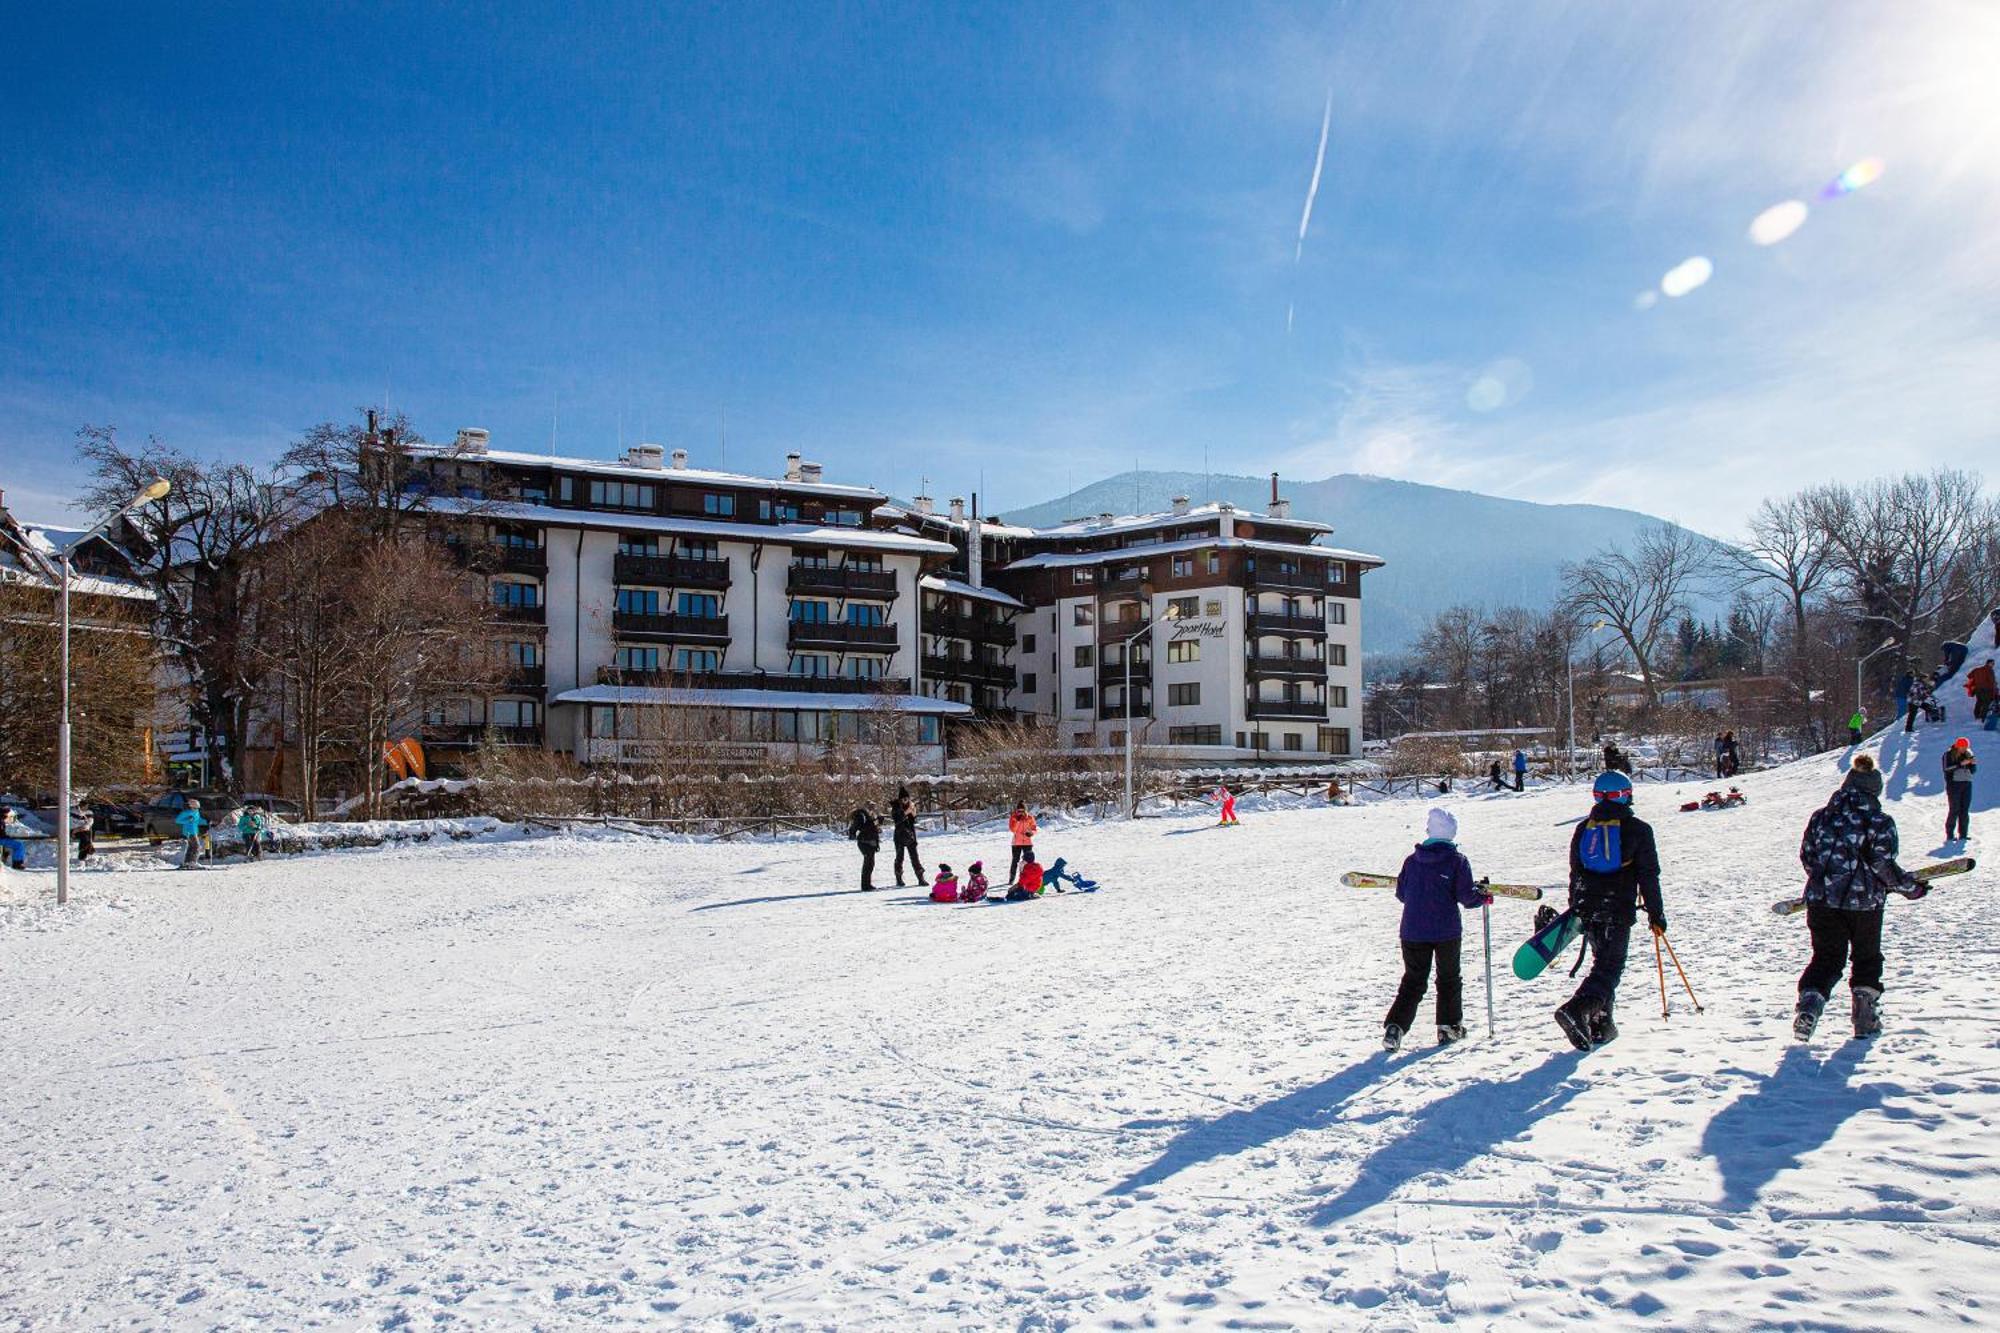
pixel 1601 847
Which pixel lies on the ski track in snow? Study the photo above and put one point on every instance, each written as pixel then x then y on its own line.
pixel 586 1081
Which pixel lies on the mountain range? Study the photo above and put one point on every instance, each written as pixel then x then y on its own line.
pixel 1443 547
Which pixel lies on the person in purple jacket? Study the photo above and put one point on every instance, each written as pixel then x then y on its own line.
pixel 1435 882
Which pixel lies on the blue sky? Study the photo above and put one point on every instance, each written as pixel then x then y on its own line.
pixel 1029 243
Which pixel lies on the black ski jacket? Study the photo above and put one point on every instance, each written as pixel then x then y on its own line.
pixel 1614 897
pixel 904 813
pixel 865 831
pixel 1849 852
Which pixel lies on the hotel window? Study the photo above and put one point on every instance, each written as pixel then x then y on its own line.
pixel 1082 740
pixel 517 594
pixel 1083 654
pixel 1294 741
pixel 697 659
pixel 1184 695
pixel 699 548
pixel 516 713
pixel 812 664
pixel 718 504
pixel 781 511
pixel 1339 654
pixel 701 605
pixel 865 668
pixel 1184 650
pixel 1215 562
pixel 639 601
pixel 812 613
pixel 1028 683
pixel 1080 576
pixel 1343 741
pixel 1086 614
pixel 864 613
pixel 638 543
pixel 927 729
pixel 1204 735
pixel 565 489
pixel 843 518
pixel 1336 571
pixel 603 720
pixel 621 495
pixel 1027 643
pixel 810 559
pixel 1336 613
pixel 1086 696
pixel 522 654
pixel 1184 608
pixel 636 659
pixel 1340 696
pixel 870 562
pixel 785 725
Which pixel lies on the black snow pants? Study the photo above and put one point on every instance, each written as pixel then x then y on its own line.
pixel 1837 933
pixel 1609 942
pixel 1023 852
pixel 907 843
pixel 1417 956
pixel 1958 810
pixel 868 865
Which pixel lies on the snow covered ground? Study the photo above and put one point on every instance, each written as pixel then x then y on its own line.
pixel 606 1081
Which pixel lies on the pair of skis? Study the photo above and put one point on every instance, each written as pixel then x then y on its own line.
pixel 1923 875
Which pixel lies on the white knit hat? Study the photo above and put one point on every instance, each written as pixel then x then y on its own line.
pixel 1440 824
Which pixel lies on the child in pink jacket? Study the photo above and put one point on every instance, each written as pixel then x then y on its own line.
pixel 975 884
pixel 944 885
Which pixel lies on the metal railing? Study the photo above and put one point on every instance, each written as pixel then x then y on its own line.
pixel 841 581
pixel 667 625
pixel 839 634
pixel 670 571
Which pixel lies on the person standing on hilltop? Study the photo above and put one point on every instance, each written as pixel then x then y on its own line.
pixel 1959 766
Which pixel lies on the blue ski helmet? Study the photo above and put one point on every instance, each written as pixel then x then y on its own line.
pixel 1613 786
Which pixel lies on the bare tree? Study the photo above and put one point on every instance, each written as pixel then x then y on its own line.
pixel 1900 545
pixel 1791 550
pixel 201 542
pixel 111 689
pixel 1640 593
pixel 308 637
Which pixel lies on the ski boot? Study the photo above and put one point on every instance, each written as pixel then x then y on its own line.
pixel 1806 1017
pixel 1392 1038
pixel 1450 1032
pixel 1867 1011
pixel 1575 1024
pixel 1602 1030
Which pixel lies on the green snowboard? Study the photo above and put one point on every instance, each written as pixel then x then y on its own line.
pixel 1546 945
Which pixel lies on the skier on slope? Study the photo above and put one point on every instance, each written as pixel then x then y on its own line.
pixel 1613 862
pixel 1226 799
pixel 1849 852
pixel 865 832
pixel 903 814
pixel 1436 880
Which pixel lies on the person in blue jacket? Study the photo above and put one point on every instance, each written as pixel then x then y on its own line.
pixel 1520 769
pixel 1435 882
pixel 191 822
pixel 12 853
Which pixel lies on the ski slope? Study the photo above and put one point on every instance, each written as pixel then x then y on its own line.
pixel 572 1082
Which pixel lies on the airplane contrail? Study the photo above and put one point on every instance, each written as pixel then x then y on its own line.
pixel 1312 190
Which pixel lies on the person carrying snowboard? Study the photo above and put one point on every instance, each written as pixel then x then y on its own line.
pixel 1436 880
pixel 903 815
pixel 1849 852
pixel 1021 825
pixel 1959 766
pixel 865 832
pixel 1613 862
pixel 1520 770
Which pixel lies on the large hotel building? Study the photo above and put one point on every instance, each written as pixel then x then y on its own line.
pixel 790 613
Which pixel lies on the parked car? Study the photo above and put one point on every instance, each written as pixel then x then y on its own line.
pixel 160 815
pixel 273 805
pixel 118 819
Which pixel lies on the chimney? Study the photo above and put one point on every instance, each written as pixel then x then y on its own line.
pixel 472 440
pixel 975 548
pixel 1281 509
pixel 1180 505
pixel 646 455
pixel 810 473
pixel 1104 519
pixel 791 467
pixel 922 504
pixel 958 508
pixel 1274 488
pixel 680 457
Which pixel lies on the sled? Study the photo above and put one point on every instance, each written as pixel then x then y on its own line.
pixel 1923 875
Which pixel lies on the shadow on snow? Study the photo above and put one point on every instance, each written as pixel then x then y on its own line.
pixel 1308 1108
pixel 1794 1110
pixel 1447 1134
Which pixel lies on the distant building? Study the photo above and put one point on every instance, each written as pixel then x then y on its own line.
pixel 1242 634
pixel 641 593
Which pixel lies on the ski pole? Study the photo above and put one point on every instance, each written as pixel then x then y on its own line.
pixel 1661 963
pixel 1486 925
pixel 1683 971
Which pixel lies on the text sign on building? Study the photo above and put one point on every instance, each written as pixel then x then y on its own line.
pixel 1197 629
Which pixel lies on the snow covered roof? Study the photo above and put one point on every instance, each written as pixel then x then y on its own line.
pixel 991 527
pixel 611 467
pixel 36 560
pixel 836 703
pixel 935 583
pixel 1070 559
pixel 1091 527
pixel 783 534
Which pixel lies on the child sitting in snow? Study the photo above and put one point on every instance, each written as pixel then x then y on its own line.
pixel 974 890
pixel 1029 885
pixel 944 885
pixel 1059 873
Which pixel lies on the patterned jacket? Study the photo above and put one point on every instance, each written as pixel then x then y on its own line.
pixel 1849 853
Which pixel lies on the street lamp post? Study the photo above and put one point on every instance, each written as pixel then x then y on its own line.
pixel 1131 803
pixel 153 492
